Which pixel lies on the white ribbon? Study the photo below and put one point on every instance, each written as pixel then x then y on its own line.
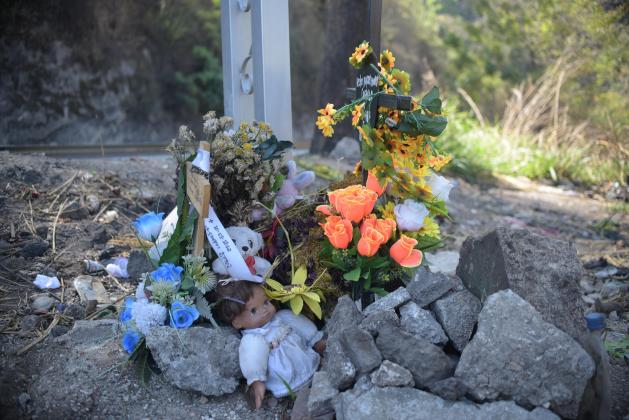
pixel 225 249
pixel 202 160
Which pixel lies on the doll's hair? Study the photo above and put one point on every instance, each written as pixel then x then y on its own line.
pixel 232 298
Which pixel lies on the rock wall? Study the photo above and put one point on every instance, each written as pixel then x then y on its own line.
pixel 82 71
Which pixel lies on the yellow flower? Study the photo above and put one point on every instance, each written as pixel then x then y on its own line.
pixel 328 110
pixel 325 123
pixel 356 113
pixel 297 293
pixel 362 51
pixel 439 161
pixel 402 80
pixel 430 228
pixel 247 147
pixel 387 60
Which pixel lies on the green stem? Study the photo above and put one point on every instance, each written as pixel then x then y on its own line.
pixel 146 253
pixel 290 245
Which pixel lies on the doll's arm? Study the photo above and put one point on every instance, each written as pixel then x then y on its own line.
pixel 253 355
pixel 302 326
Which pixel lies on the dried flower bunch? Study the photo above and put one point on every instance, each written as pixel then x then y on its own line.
pixel 241 175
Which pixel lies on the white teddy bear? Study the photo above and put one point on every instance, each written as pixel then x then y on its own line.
pixel 249 243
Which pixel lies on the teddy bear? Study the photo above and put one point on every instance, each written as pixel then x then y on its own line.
pixel 289 192
pixel 249 243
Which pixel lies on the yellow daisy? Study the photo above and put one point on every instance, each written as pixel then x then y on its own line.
pixel 387 60
pixel 356 113
pixel 362 51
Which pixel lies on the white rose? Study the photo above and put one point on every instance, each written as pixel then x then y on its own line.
pixel 410 215
pixel 440 187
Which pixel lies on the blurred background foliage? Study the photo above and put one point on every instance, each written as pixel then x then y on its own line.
pixel 534 87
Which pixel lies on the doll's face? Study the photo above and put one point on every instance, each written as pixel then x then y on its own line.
pixel 258 311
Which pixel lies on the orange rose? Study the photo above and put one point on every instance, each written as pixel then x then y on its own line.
pixel 384 226
pixel 354 202
pixel 338 231
pixel 404 253
pixel 324 209
pixel 370 242
pixel 374 185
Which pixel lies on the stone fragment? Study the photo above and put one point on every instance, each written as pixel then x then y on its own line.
pixel 457 313
pixel 42 304
pixel 75 211
pixel 96 233
pixel 421 323
pixel 321 395
pixel 392 374
pixel 516 354
pixel 345 314
pixel 197 359
pixel 544 271
pixel 90 289
pixel 35 247
pixel 341 371
pixel 74 311
pixel 138 264
pixel 373 322
pixel 361 349
pixel 31 323
pixel 426 287
pixel 442 262
pixel 451 389
pixel 92 203
pixel 300 406
pixel 88 334
pixel 59 330
pixel 614 288
pixel 363 384
pixel 427 362
pixel 390 301
pixel 411 403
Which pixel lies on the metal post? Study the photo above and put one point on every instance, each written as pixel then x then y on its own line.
pixel 237 62
pixel 271 65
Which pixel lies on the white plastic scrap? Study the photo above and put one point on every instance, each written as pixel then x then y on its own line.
pixel 118 268
pixel 45 282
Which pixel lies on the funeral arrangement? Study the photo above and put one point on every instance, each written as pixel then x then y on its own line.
pixel 252 245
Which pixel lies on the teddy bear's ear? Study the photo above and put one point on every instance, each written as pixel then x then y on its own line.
pixel 304 179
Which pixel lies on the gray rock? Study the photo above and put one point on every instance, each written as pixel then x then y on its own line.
pixel 516 354
pixel 426 287
pixel 457 313
pixel 614 288
pixel 96 233
pixel 31 323
pixel 321 395
pixel 59 330
pixel 543 271
pixel 391 301
pixel 36 247
pixel 361 349
pixel 442 262
pixel 427 362
pixel 347 148
pixel 138 264
pixel 88 334
pixel 75 211
pixel 392 374
pixel 422 324
pixel 42 304
pixel 197 359
pixel 377 320
pixel 341 370
pixel 345 314
pixel 363 384
pixel 74 311
pixel 451 389
pixel 411 403
pixel 300 406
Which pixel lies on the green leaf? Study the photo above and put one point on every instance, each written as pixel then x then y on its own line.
pixel 187 283
pixel 356 235
pixel 313 305
pixel 353 275
pixel 300 275
pixel 416 123
pixel 331 264
pixel 379 291
pixel 431 101
pixel 297 304
pixel 367 283
pixel 277 183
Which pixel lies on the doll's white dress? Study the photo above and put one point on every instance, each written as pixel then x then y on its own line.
pixel 281 350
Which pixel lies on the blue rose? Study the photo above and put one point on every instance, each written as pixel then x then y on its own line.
pixel 182 316
pixel 130 340
pixel 168 272
pixel 149 225
pixel 126 314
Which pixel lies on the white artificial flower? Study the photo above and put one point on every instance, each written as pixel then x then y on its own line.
pixel 410 215
pixel 140 296
pixel 440 186
pixel 148 315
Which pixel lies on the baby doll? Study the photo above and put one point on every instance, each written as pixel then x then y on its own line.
pixel 276 347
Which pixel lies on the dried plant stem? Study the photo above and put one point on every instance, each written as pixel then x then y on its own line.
pixel 54 226
pixel 62 188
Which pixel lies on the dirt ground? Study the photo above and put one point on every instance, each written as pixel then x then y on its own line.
pixel 54 213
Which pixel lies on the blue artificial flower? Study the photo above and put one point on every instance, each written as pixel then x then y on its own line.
pixel 168 272
pixel 130 340
pixel 182 316
pixel 149 225
pixel 126 314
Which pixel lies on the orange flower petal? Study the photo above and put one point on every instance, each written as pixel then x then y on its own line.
pixel 413 260
pixel 374 185
pixel 324 209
